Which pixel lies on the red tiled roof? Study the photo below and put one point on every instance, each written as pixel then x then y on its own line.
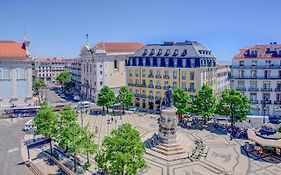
pixel 111 47
pixel 12 49
pixel 49 59
pixel 261 51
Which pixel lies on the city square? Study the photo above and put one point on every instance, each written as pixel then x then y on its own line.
pixel 224 156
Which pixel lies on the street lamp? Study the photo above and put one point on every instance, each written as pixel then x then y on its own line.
pixel 263 106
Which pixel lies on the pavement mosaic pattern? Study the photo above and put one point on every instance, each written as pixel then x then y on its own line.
pixel 224 156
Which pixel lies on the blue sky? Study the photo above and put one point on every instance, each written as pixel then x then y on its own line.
pixel 58 27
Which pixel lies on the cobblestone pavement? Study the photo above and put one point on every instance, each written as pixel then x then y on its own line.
pixel 224 156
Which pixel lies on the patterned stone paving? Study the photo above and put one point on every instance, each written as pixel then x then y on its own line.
pixel 224 156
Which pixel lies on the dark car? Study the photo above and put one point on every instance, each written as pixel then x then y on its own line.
pixel 274 119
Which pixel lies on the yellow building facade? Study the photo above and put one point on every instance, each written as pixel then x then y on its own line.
pixel 155 68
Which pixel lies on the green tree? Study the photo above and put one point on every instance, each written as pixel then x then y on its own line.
pixel 46 121
pixel 106 97
pixel 88 143
pixel 122 152
pixel 204 103
pixel 234 104
pixel 38 84
pixel 64 78
pixel 181 101
pixel 125 97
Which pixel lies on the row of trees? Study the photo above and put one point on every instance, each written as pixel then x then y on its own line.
pixel 62 128
pixel 120 153
pixel 106 97
pixel 231 103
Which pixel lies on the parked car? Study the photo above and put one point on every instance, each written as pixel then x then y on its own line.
pixel 28 125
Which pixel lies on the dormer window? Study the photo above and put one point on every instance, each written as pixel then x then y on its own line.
pixel 184 53
pixel 200 51
pixel 176 52
pixel 137 61
pixel 192 63
pixel 151 62
pixel 253 52
pixel 183 62
pixel 159 52
pixel 131 61
pixel 279 52
pixel 143 62
pixel 152 52
pixel 158 62
pixel 167 62
pixel 145 52
pixel 175 62
pixel 167 52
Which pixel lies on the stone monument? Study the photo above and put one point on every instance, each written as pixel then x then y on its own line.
pixel 170 144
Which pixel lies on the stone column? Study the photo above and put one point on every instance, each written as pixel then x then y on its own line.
pixel 29 82
pixel 14 82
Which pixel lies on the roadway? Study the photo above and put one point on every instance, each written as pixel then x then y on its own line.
pixel 11 135
pixel 51 96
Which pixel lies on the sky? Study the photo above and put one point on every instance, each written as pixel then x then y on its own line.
pixel 58 28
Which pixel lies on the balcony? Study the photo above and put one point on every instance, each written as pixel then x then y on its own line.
pixel 166 76
pixel 137 85
pixel 255 77
pixel 150 76
pixel 150 97
pixel 183 78
pixel 158 87
pixel 191 90
pixel 277 89
pixel 143 85
pixel 272 66
pixel 266 89
pixel 175 77
pixel 137 95
pixel 253 89
pixel 143 96
pixel 265 101
pixel 166 87
pixel 277 102
pixel 158 76
pixel 157 98
pixel 150 86
pixel 254 101
pixel 241 89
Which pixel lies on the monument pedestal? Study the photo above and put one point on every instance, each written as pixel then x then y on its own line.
pixel 172 145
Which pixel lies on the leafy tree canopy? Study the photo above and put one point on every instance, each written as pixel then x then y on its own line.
pixel 234 104
pixel 106 97
pixel 204 102
pixel 122 152
pixel 125 96
pixel 64 78
pixel 38 84
pixel 181 100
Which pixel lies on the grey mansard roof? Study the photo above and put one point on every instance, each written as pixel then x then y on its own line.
pixel 193 49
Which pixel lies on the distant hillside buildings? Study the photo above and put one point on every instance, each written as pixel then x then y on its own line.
pixel 15 74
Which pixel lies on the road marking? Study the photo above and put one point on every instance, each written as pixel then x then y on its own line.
pixel 13 150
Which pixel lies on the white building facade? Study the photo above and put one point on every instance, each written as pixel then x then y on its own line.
pixel 223 78
pixel 104 65
pixel 256 72
pixel 15 74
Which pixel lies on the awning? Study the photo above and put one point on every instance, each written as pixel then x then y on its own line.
pixel 264 142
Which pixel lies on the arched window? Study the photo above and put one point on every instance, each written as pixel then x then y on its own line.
pixel 115 64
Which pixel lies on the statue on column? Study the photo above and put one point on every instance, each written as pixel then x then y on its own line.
pixel 168 97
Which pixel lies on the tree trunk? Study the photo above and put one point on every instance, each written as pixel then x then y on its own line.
pixel 232 120
pixel 103 108
pixel 107 109
pixel 123 109
pixel 88 160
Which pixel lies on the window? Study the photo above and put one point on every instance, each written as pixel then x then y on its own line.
pixel 167 62
pixel 145 52
pixel 167 52
pixel 159 52
pixel 143 73
pixel 184 75
pixel 266 74
pixel 150 93
pixel 266 84
pixel 191 75
pixel 158 73
pixel 5 73
pixel 241 84
pixel 253 84
pixel 254 62
pixel 241 74
pixel 151 82
pixel 191 86
pixel 166 73
pixel 158 62
pixel 152 52
pixel 137 73
pixel 143 82
pixel 158 94
pixel 183 62
pixel 253 96
pixel 101 72
pixel 151 61
pixel 130 72
pixel 184 53
pixel 176 52
pixel 101 65
pixel 116 64
pixel 166 84
pixel 137 61
pixel 143 62
pixel 137 92
pixel 158 83
pixel 175 62
pixel 131 61
pixel 253 52
pixel 241 63
pixel 183 85
pixel 143 92
pixel 175 85
pixel 192 63
pixel 279 52
pixel 175 74
pixel 21 73
pixel 101 83
pixel 150 72
pixel 254 74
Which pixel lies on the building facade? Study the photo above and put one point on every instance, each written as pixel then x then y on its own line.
pixel 256 72
pixel 104 64
pixel 223 78
pixel 75 70
pixel 15 74
pixel 156 67
pixel 48 68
